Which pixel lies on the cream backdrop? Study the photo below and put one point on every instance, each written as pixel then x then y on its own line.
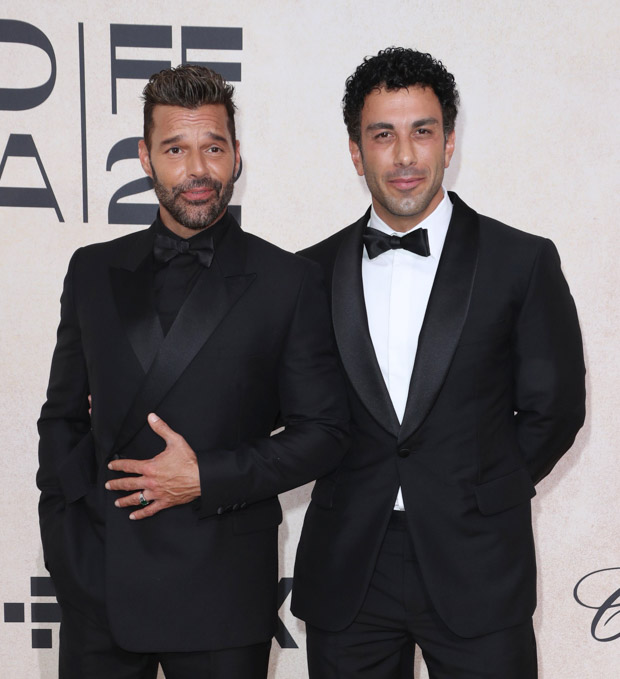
pixel 536 149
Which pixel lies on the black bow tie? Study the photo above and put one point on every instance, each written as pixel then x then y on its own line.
pixel 377 242
pixel 167 248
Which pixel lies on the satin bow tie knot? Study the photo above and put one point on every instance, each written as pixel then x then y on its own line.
pixel 377 242
pixel 166 248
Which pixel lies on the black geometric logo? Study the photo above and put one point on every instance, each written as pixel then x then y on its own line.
pixel 40 611
pixel 49 612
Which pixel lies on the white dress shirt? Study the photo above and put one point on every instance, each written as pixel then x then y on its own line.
pixel 397 285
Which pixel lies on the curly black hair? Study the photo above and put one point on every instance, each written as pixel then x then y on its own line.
pixel 395 68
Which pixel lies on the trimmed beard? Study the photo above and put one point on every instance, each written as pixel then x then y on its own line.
pixel 194 215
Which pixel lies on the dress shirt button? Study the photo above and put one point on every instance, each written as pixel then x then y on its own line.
pixel 404 452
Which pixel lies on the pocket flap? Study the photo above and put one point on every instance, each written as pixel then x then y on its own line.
pixel 505 492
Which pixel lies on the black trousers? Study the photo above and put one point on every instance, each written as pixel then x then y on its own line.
pixel 396 615
pixel 88 651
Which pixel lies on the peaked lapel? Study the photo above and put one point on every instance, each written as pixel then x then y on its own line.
pixel 214 294
pixel 445 315
pixel 132 287
pixel 351 329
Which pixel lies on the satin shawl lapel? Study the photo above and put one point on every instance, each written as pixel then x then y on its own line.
pixel 132 286
pixel 351 330
pixel 216 291
pixel 445 315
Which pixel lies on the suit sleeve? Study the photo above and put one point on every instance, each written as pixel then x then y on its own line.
pixel 65 443
pixel 549 377
pixel 313 410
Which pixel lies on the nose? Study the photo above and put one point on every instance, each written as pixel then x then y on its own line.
pixel 405 153
pixel 196 165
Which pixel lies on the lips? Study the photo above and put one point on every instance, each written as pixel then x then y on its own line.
pixel 202 193
pixel 406 183
pixel 198 194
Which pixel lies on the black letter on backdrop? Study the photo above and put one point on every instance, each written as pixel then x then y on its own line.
pixel 20 99
pixel 122 35
pixel 211 38
pixel 604 610
pixel 129 213
pixel 22 146
pixel 83 122
pixel 282 635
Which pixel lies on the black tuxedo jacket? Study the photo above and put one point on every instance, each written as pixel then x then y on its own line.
pixel 496 397
pixel 252 344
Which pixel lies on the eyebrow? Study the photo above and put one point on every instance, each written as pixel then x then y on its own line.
pixel 416 123
pixel 179 137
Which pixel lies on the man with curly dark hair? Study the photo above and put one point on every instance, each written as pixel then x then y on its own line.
pixel 462 350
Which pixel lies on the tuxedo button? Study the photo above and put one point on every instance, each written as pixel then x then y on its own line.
pixel 235 507
pixel 404 452
pixel 116 456
pixel 220 510
pixel 243 505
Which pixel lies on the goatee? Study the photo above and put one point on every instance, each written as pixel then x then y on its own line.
pixel 198 214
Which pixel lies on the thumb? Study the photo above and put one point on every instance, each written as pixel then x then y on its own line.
pixel 159 427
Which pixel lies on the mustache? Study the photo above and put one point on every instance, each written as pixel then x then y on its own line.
pixel 201 183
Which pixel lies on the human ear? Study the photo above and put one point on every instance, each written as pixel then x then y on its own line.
pixel 448 149
pixel 145 158
pixel 356 157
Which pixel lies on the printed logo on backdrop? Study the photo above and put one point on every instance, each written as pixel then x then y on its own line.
pixel 43 610
pixel 600 591
pixel 46 610
pixel 193 39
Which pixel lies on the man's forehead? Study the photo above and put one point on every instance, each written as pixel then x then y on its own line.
pixel 209 115
pixel 416 100
pixel 412 93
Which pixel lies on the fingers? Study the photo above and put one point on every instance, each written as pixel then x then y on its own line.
pixel 126 483
pixel 133 499
pixel 160 427
pixel 172 476
pixel 145 512
pixel 128 466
